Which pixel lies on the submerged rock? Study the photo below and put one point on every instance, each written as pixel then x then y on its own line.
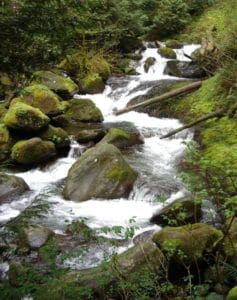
pixel 150 61
pixel 184 69
pixel 167 52
pixel 22 116
pixel 180 212
pixel 40 96
pixel 101 172
pixel 121 138
pixel 60 84
pixel 11 186
pixel 32 151
pixel 188 243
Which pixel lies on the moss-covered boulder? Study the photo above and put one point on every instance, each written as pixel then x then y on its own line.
pixel 60 84
pixel 133 56
pixel 174 44
pixel 121 138
pixel 32 151
pixel 232 295
pixel 22 116
pixel 101 172
pixel 3 112
pixel 11 186
pixel 5 141
pixel 184 69
pixel 79 110
pixel 40 96
pixel 167 52
pixel 77 63
pixel 180 212
pixel 56 135
pixel 35 236
pixel 188 243
pixel 150 61
pixel 92 84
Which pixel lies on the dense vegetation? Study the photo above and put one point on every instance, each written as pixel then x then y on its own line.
pixel 35 33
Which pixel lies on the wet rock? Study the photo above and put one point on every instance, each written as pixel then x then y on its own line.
pixel 6 142
pixel 121 138
pixel 56 135
pixel 150 61
pixel 134 56
pixel 40 96
pixel 188 243
pixel 178 213
pixel 174 44
pixel 11 186
pixel 79 110
pixel 60 84
pixel 36 236
pixel 92 84
pixel 22 116
pixel 101 172
pixel 144 237
pixel 32 151
pixel 184 69
pixel 167 52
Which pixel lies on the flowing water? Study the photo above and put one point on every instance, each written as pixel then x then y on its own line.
pixel 155 162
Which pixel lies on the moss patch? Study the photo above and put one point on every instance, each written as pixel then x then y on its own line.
pixel 167 52
pixel 92 84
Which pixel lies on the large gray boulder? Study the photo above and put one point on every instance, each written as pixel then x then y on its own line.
pixel 184 69
pixel 101 172
pixel 11 186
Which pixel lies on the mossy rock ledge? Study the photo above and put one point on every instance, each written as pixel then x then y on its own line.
pixel 92 84
pixel 32 151
pixel 22 116
pixel 62 85
pixel 40 96
pixel 121 138
pixel 11 186
pixel 101 172
pixel 188 243
pixel 167 52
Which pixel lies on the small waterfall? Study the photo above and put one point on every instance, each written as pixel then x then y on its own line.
pixel 76 149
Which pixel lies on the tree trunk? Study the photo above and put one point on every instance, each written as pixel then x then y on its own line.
pixel 184 90
pixel 216 114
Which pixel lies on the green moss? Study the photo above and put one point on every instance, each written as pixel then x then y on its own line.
pixel 56 135
pixel 174 44
pixel 187 243
pixel 167 52
pixel 115 133
pixel 3 112
pixel 83 110
pixel 26 117
pixel 5 141
pixel 58 83
pixel 40 96
pixel 48 253
pixel 33 151
pixel 119 173
pixel 214 16
pixel 232 295
pixel 92 84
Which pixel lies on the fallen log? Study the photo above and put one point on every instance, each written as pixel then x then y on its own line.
pixel 184 90
pixel 216 114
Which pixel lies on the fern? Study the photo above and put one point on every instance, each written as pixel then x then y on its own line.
pixel 230 272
